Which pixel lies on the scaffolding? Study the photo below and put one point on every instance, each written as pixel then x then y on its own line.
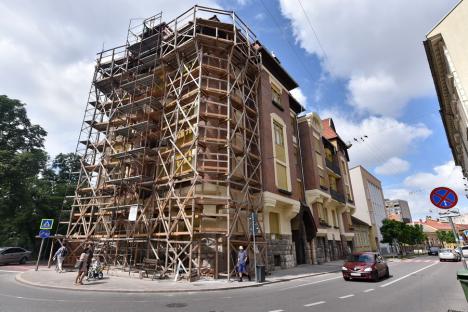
pixel 170 149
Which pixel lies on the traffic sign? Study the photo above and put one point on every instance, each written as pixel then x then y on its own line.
pixel 443 198
pixel 44 233
pixel 46 224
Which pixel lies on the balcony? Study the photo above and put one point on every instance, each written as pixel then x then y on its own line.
pixel 333 166
pixel 337 196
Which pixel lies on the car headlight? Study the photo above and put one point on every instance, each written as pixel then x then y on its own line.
pixel 344 269
pixel 368 270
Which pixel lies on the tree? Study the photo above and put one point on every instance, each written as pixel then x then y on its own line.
pixel 395 232
pixel 31 186
pixel 22 158
pixel 446 237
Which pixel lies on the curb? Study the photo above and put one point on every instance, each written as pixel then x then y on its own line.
pixel 23 281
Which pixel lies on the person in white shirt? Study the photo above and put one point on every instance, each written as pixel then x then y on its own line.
pixel 59 256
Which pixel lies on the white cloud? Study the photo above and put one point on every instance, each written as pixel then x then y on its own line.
pixel 47 52
pixel 392 166
pixel 375 140
pixel 377 48
pixel 299 96
pixel 417 187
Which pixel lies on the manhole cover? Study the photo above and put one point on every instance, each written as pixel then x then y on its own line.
pixel 176 305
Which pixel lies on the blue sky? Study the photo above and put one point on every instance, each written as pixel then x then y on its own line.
pixel 369 73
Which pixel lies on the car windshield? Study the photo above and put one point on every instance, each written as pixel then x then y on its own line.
pixel 434 248
pixel 445 250
pixel 361 258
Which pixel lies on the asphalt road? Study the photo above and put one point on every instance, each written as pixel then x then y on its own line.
pixel 423 284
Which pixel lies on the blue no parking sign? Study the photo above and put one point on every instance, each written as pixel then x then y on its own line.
pixel 443 197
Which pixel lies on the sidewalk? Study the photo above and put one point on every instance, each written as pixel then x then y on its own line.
pixel 48 278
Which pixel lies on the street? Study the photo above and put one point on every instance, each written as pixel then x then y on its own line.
pixel 420 284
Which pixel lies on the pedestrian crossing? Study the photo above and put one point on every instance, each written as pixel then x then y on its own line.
pixel 419 261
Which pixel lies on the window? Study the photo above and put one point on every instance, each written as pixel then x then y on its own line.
pixel 281 157
pixel 328 154
pixel 274 223
pixel 319 159
pixel 332 183
pixel 279 138
pixel 276 94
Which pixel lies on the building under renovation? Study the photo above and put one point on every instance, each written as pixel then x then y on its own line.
pixel 191 147
pixel 169 147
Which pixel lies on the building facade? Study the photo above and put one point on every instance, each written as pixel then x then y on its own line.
pixel 327 187
pixel 361 240
pixel 370 204
pixel 446 47
pixel 398 210
pixel 191 147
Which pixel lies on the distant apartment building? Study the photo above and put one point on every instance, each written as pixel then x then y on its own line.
pixel 446 48
pixel 461 219
pixel 370 205
pixel 398 210
pixel 327 187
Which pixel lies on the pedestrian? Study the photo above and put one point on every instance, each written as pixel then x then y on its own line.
pixel 242 260
pixel 59 256
pixel 82 266
pixel 90 257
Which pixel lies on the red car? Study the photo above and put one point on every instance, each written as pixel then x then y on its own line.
pixel 365 265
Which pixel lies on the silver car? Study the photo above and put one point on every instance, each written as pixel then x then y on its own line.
pixel 14 255
pixel 449 255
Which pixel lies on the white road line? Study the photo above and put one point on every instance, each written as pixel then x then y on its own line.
pixel 347 296
pixel 369 290
pixel 276 311
pixel 312 283
pixel 408 275
pixel 427 260
pixel 314 304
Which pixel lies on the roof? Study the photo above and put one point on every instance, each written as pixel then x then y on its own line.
pixel 441 226
pixel 357 221
pixel 329 131
pixel 273 65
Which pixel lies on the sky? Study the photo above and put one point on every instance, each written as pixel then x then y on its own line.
pixel 358 61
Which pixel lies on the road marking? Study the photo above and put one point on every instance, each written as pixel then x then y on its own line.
pixel 276 311
pixel 314 304
pixel 427 260
pixel 347 296
pixel 408 275
pixel 312 283
pixel 369 290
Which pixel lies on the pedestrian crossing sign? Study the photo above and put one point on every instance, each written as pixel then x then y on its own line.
pixel 46 224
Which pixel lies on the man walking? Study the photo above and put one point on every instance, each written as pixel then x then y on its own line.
pixel 242 259
pixel 60 255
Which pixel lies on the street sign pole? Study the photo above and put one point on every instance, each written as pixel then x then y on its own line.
pixel 457 240
pixel 254 243
pixel 446 199
pixel 40 252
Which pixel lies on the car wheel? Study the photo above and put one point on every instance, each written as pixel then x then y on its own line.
pixel 23 260
pixel 375 276
pixel 100 276
pixel 387 273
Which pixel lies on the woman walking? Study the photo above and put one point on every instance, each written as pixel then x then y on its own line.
pixel 82 266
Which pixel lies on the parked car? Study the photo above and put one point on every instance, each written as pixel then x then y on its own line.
pixel 449 255
pixel 14 255
pixel 365 265
pixel 433 251
pixel 464 250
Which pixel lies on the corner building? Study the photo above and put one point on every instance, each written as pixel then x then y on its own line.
pixel 190 134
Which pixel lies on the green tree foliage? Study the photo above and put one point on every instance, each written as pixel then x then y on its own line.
pixel 446 237
pixel 30 188
pixel 399 232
